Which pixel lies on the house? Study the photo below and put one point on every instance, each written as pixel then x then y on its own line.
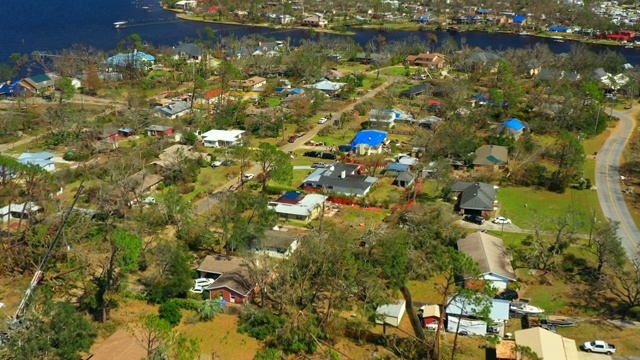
pixel 315 20
pixel 430 315
pixel 372 58
pixel 188 51
pixel 285 19
pixel 367 142
pixel 384 117
pixel 109 132
pixel 396 168
pixel 491 157
pixel 298 206
pixel 430 60
pixel 513 127
pixel 185 4
pixel 16 211
pixel 125 132
pixel 463 314
pixel 326 86
pixel 174 110
pixel 42 159
pixel 39 83
pixel 278 244
pixel 159 130
pixel 340 178
pixel 232 279
pixel 482 60
pixel 178 153
pixel 144 182
pixel 334 74
pixel 249 84
pixel 121 345
pixel 492 257
pixel 547 74
pixel 222 138
pixel 546 344
pixel 611 81
pixel 391 314
pixel 520 20
pixel 416 90
pixel 533 67
pixel 404 179
pixel 474 198
pixel 136 59
pixel 214 96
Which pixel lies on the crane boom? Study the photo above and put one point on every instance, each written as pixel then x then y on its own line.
pixel 17 318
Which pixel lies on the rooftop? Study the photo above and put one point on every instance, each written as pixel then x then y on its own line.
pixel 489 253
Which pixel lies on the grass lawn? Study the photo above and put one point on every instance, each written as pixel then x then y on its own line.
pixel 369 81
pixel 339 137
pixel 273 101
pixel 211 178
pixel 395 71
pixel 626 338
pixel 384 190
pixel 358 217
pixel 521 205
pixel 220 340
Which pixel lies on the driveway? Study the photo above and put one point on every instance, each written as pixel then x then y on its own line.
pixel 591 356
pixel 608 182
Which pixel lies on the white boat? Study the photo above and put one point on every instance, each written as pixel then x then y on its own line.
pixel 524 33
pixel 120 24
pixel 628 46
pixel 521 308
pixel 559 39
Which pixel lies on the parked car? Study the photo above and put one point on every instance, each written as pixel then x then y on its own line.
pixel 599 346
pixel 228 162
pixel 323 120
pixel 47 97
pixel 474 219
pixel 507 295
pixel 318 165
pixel 247 177
pixel 216 163
pixel 149 200
pixel 196 290
pixel 293 138
pixel 312 154
pixel 328 156
pixel 202 282
pixel 501 220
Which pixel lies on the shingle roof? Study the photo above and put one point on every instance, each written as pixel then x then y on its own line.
pixel 475 196
pixel 546 344
pixel 491 155
pixel 234 270
pixel 189 48
pixel 331 176
pixel 489 253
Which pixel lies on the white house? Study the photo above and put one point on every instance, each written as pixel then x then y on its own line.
pixel 175 110
pixel 295 205
pixel 16 210
pixel 42 159
pixel 391 314
pixel 465 311
pixel 493 259
pixel 220 138
pixel 185 4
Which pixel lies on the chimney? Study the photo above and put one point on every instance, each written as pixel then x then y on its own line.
pixel 343 174
pixel 331 168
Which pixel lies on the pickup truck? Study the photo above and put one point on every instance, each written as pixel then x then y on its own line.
pixel 599 346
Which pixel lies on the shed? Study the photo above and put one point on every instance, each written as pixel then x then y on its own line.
pixel 404 179
pixel 391 314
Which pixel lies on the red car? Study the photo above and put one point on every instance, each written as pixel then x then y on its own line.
pixel 293 138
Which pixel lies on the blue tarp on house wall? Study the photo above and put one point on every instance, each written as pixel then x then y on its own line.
pixel 369 137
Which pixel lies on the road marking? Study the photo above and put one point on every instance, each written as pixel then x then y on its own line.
pixel 614 204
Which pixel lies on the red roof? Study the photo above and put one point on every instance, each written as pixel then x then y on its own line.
pixel 434 102
pixel 213 9
pixel 213 93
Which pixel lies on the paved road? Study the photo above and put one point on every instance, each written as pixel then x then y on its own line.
pixel 206 203
pixel 608 182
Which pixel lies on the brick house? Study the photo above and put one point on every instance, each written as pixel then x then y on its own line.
pixel 231 278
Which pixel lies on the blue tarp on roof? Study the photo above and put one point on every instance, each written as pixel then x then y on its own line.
pixel 514 124
pixel 482 11
pixel 369 137
pixel 295 91
pixel 558 28
pixel 397 167
pixel 519 19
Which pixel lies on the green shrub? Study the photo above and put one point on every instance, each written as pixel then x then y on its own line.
pixel 259 323
pixel 170 311
pixel 326 131
pixel 268 354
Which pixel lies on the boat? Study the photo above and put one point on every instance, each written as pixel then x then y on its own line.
pixel 120 24
pixel 524 33
pixel 524 308
pixel 628 46
pixel 559 39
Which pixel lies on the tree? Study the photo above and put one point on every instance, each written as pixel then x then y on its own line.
pixel 568 154
pixel 152 333
pixel 607 247
pixel 67 89
pixel 58 332
pixel 174 274
pixel 274 164
pixel 170 311
pixel 625 285
pixel 209 309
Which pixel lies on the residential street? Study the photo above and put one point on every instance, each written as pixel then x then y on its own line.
pixel 204 204
pixel 608 182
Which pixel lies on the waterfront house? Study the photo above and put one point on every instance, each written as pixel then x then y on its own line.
pixel 316 20
pixel 185 4
pixel 430 60
pixel 136 59
pixel 188 51
pixel 39 83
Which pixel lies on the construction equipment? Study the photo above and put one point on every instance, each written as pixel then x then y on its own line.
pixel 16 320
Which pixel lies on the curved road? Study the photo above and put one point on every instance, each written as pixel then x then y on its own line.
pixel 608 182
